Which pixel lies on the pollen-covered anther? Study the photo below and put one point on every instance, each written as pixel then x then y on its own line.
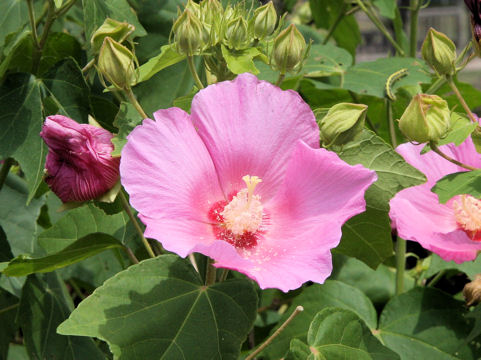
pixel 244 212
pixel 467 211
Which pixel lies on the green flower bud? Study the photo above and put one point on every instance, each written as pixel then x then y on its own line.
pixel 289 49
pixel 236 35
pixel 439 52
pixel 118 31
pixel 194 8
pixel 116 64
pixel 189 33
pixel 427 118
pixel 210 11
pixel 342 123
pixel 264 21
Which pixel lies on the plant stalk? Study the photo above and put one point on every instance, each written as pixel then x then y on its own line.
pixel 413 33
pixel 135 103
pixel 210 273
pixel 438 151
pixel 334 25
pixel 280 79
pixel 378 23
pixel 461 99
pixel 190 61
pixel 266 343
pixel 126 206
pixel 392 129
pixel 131 255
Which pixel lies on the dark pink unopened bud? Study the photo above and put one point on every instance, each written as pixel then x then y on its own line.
pixel 79 165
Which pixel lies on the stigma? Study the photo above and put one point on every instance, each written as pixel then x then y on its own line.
pixel 467 211
pixel 243 214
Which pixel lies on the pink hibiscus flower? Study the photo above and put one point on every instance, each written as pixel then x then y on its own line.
pixel 243 180
pixel 451 230
pixel 79 166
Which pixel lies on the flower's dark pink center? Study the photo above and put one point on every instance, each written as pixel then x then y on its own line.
pixel 238 220
pixel 467 211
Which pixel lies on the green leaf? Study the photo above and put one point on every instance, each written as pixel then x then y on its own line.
pixel 13 15
pixel 67 88
pixel 327 60
pixel 126 120
pixel 467 182
pixel 168 56
pixel 315 298
pixel 169 84
pixel 369 78
pixel 471 95
pixel 367 236
pixel 83 248
pixel 338 334
pixel 241 61
pixel 161 306
pixel 426 323
pixel 17 352
pixel 378 285
pixel 96 11
pixel 20 224
pixel 387 8
pixel 58 3
pixel 22 121
pixel 12 49
pixel 81 222
pixel 45 303
pixel 8 313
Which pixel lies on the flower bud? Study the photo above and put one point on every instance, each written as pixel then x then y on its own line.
pixel 427 118
pixel 189 33
pixel 193 7
pixel 116 64
pixel 472 291
pixel 117 30
pixel 79 165
pixel 264 21
pixel 342 123
pixel 236 34
pixel 210 11
pixel 439 52
pixel 289 49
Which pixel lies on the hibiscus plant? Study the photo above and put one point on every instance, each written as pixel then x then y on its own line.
pixel 223 180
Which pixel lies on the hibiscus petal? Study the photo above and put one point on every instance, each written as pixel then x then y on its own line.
pixel 455 246
pixel 167 170
pixel 250 127
pixel 319 194
pixel 433 165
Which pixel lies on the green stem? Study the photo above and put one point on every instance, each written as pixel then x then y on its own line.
pixel 400 264
pixel 135 103
pixel 224 274
pixel 8 308
pixel 126 206
pixel 7 164
pixel 435 148
pixel 88 66
pixel 378 23
pixel 210 274
pixel 131 255
pixel 76 289
pixel 65 8
pixel 33 24
pixel 413 33
pixel 438 84
pixel 436 279
pixel 280 79
pixel 37 54
pixel 266 343
pixel 461 100
pixel 392 129
pixel 190 61
pixel 334 25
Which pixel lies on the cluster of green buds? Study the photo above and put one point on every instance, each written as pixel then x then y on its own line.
pixel 116 63
pixel 209 29
pixel 427 118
